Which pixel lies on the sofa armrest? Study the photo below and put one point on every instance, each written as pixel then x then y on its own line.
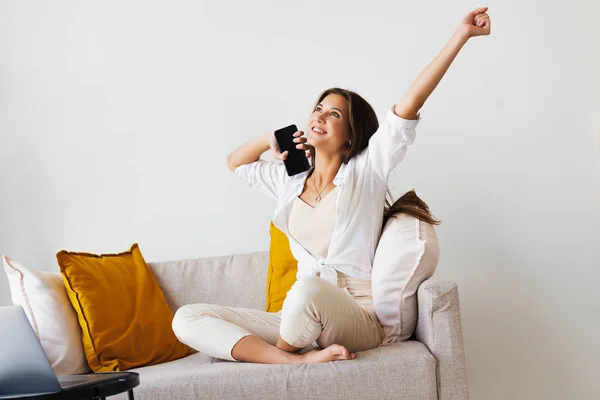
pixel 439 328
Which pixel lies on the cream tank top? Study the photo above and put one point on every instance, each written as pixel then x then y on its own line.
pixel 313 228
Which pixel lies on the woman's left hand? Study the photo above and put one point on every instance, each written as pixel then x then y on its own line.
pixel 476 23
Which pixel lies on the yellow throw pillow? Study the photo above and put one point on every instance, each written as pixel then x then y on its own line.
pixel 124 317
pixel 282 270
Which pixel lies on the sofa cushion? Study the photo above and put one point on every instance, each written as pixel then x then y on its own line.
pixel 43 297
pixel 407 254
pixel 235 280
pixel 398 371
pixel 282 271
pixel 124 318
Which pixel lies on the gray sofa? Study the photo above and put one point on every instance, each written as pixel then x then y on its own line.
pixel 430 366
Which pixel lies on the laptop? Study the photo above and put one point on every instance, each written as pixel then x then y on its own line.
pixel 24 368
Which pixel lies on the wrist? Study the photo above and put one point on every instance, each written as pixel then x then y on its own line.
pixel 461 35
pixel 266 139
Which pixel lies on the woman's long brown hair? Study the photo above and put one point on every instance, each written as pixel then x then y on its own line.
pixel 362 124
pixel 409 204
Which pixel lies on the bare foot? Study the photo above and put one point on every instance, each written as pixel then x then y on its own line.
pixel 332 353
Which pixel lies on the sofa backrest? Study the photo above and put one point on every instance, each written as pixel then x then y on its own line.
pixel 235 280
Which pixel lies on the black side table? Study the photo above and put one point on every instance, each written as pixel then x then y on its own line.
pixel 94 391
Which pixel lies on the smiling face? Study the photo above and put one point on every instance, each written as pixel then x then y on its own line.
pixel 328 125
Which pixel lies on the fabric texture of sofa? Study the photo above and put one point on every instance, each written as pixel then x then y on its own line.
pixel 431 365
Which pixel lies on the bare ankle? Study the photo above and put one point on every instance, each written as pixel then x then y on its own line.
pixel 299 358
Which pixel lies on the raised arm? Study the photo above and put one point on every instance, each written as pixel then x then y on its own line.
pixel 476 23
pixel 252 150
pixel 249 151
pixel 266 177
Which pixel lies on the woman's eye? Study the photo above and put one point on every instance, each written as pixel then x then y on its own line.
pixel 334 113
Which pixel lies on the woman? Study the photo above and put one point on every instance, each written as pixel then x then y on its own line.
pixel 332 215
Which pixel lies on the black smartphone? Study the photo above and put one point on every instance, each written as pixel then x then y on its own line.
pixel 296 161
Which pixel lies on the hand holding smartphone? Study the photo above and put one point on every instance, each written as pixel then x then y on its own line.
pixel 296 161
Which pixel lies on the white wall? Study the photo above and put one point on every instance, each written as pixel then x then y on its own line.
pixel 116 118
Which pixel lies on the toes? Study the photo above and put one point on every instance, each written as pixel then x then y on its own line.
pixel 337 352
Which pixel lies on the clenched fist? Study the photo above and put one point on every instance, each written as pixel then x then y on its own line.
pixel 476 23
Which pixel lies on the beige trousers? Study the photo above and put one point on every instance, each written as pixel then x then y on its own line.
pixel 315 312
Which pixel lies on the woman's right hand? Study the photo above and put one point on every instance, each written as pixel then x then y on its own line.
pixel 275 148
pixel 299 138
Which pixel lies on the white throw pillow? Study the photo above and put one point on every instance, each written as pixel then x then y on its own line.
pixel 407 254
pixel 54 320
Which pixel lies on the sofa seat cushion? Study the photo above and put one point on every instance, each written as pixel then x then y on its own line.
pixel 397 371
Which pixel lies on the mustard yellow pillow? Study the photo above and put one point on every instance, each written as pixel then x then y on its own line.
pixel 124 317
pixel 282 270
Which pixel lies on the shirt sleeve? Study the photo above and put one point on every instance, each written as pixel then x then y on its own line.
pixel 266 177
pixel 388 145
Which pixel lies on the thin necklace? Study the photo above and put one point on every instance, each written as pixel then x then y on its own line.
pixel 318 198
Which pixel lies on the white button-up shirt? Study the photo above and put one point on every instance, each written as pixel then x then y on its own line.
pixel 360 204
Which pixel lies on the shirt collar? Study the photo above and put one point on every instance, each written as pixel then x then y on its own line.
pixel 340 177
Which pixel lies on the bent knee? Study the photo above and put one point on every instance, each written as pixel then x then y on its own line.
pixel 309 286
pixel 306 290
pixel 180 318
pixel 185 312
pixel 188 314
